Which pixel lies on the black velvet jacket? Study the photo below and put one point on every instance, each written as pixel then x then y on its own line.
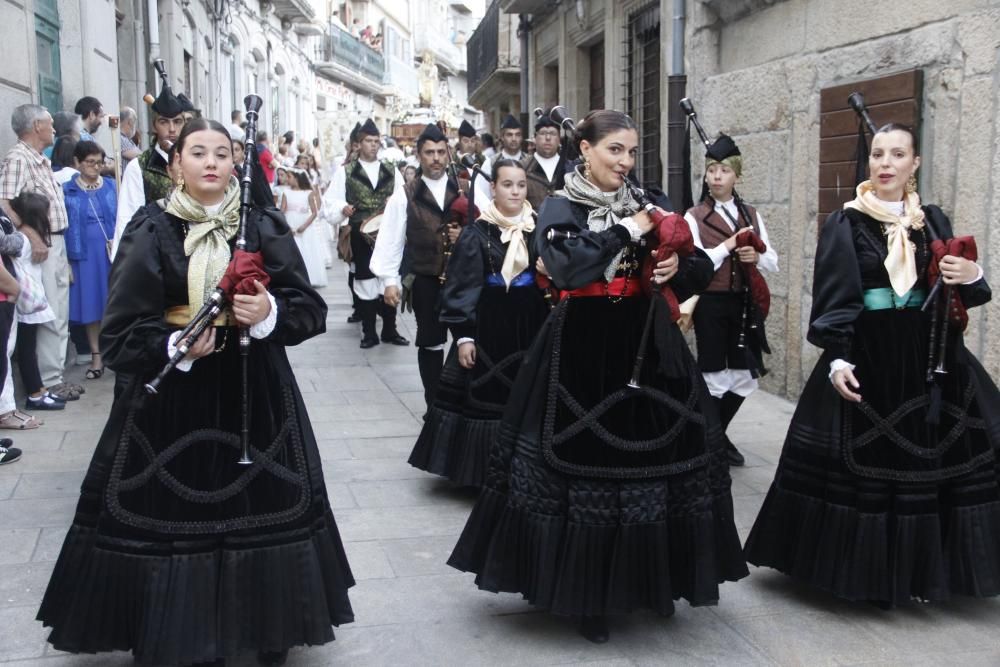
pixel 150 275
pixel 849 260
pixel 478 253
pixel 574 262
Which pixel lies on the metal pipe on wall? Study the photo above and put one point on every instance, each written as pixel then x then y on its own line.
pixel 676 91
pixel 523 32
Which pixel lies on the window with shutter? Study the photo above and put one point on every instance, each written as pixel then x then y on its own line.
pixel 890 99
pixel 642 90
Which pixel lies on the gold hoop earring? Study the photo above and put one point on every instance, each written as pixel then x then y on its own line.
pixel 586 168
pixel 911 184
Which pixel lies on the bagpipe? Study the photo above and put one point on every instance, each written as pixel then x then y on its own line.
pixel 946 305
pixel 567 131
pixel 673 236
pixel 244 269
pixel 462 211
pixel 756 293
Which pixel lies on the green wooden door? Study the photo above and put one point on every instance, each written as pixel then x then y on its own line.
pixel 47 46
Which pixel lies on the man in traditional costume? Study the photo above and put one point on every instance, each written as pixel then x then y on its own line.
pixel 359 192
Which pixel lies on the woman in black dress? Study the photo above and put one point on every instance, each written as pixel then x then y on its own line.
pixel 888 486
pixel 601 499
pixel 177 552
pixel 494 308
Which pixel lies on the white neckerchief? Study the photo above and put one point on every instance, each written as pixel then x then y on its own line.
pixel 894 207
pixel 548 165
pixel 371 170
pixel 438 188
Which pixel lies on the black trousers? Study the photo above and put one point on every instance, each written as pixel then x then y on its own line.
pixel 6 322
pixel 27 358
pixel 430 333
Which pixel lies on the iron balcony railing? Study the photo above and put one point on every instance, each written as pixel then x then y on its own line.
pixel 483 47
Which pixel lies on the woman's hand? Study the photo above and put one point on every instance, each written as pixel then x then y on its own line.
pixel 202 347
pixel 249 309
pixel 540 267
pixel 843 380
pixel 467 355
pixel 302 229
pixel 666 269
pixel 958 270
pixel 642 221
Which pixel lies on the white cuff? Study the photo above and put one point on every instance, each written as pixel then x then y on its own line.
pixel 264 328
pixel 979 276
pixel 466 339
pixel 183 365
pixel 633 229
pixel 839 365
pixel 390 282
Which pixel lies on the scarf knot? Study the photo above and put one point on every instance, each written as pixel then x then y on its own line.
pixel 512 231
pixel 605 211
pixel 207 240
pixel 901 262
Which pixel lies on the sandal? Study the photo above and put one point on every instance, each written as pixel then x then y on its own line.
pixel 94 373
pixel 16 420
pixel 64 392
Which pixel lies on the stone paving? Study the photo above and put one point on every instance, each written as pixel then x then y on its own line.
pixel 399 525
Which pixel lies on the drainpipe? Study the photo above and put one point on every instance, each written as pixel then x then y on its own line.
pixel 152 19
pixel 524 31
pixel 676 90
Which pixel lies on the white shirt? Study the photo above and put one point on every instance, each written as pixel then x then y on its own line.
pixel 388 253
pixel 768 260
pixel 131 198
pixel 548 165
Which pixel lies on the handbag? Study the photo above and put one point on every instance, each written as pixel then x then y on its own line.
pixel 100 223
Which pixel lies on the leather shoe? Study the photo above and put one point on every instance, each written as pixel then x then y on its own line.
pixel 736 459
pixel 275 658
pixel 354 318
pixel 595 629
pixel 395 339
pixel 369 341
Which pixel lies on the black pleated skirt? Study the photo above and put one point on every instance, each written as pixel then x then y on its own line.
pixel 178 553
pixel 599 498
pixel 465 416
pixel 877 502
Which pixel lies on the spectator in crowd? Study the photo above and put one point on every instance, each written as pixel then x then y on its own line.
pixel 376 42
pixel 11 418
pixel 65 124
pixel 409 173
pixel 284 159
pixel 489 150
pixel 63 162
pixel 236 132
pixel 356 28
pixel 367 34
pixel 127 118
pixel 91 203
pixel 267 161
pixel 25 168
pixel 336 22
pixel 91 112
pixel 33 210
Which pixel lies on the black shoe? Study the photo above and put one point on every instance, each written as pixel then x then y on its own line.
pixel 354 318
pixel 736 459
pixel 8 454
pixel 395 339
pixel 369 341
pixel 44 402
pixel 595 629
pixel 275 658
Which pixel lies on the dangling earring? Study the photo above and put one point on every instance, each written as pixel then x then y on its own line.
pixel 586 168
pixel 911 184
pixel 180 183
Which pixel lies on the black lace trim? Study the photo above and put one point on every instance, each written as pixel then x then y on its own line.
pixel 287 439
pixel 589 420
pixel 885 427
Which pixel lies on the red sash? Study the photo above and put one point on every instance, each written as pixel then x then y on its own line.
pixel 617 287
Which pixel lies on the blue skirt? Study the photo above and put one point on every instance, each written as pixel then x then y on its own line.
pixel 88 294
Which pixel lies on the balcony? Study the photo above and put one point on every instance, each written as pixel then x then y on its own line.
pixel 294 10
pixel 494 59
pixel 526 6
pixel 342 57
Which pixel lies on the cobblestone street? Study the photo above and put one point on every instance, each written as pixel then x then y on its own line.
pixel 399 525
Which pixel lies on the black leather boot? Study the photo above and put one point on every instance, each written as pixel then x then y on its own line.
pixel 595 629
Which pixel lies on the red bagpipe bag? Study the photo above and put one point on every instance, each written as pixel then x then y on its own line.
pixel 673 235
pixel 960 246
pixel 244 268
pixel 759 291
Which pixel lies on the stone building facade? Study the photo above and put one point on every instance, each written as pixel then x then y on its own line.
pixel 756 70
